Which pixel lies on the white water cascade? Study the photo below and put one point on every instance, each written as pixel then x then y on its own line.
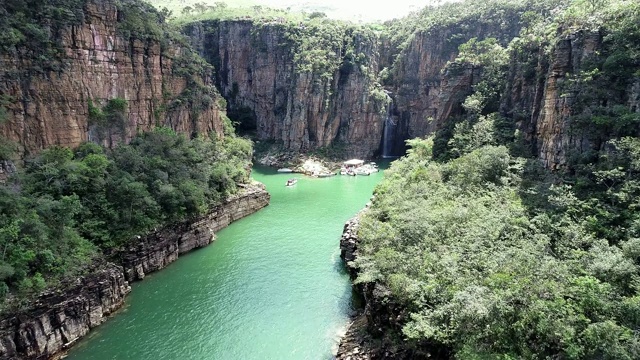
pixel 387 135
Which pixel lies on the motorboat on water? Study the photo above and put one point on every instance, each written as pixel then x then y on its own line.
pixel 363 171
pixel 291 182
pixel 355 167
pixel 285 170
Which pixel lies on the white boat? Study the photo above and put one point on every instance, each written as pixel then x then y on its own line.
pixel 371 168
pixel 363 171
pixel 291 182
pixel 285 170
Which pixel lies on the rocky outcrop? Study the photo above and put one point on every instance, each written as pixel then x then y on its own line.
pixel 160 248
pixel 47 106
pixel 56 320
pixel 370 333
pixel 349 244
pixel 556 135
pixel 7 168
pixel 261 74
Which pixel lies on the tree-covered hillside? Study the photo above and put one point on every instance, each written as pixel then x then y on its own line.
pixel 478 252
pixel 491 257
pixel 69 206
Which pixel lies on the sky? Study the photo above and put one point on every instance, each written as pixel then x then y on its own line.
pixel 354 10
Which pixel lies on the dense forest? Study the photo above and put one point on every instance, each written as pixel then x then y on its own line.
pixel 485 254
pixel 69 206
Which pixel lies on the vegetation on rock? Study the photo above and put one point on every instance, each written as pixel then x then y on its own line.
pixel 482 253
pixel 68 206
pixel 492 257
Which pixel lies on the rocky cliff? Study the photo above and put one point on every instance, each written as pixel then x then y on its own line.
pixel 99 59
pixel 303 85
pixel 56 320
pixel 158 249
pixel 366 334
pixel 568 103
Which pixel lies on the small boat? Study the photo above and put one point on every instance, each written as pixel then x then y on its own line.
pixel 363 171
pixel 285 170
pixel 291 182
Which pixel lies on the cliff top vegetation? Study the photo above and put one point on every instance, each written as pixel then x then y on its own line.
pixel 69 205
pixel 484 254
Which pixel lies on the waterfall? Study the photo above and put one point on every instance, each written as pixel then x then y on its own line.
pixel 387 135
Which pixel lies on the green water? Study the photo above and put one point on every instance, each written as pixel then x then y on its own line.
pixel 271 287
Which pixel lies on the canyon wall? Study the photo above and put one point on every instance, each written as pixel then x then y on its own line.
pixel 303 85
pixel 561 110
pixel 49 104
pixel 303 98
pixel 160 248
pixel 545 95
pixel 57 319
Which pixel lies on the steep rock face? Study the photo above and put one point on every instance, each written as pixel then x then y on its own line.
pixel 426 91
pixel 424 97
pixel 50 107
pixel 158 249
pixel 555 134
pixel 524 92
pixel 547 106
pixel 7 168
pixel 305 110
pixel 59 319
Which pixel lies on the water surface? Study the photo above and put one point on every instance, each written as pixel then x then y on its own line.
pixel 271 287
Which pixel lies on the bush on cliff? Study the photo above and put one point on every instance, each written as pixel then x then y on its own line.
pixel 67 205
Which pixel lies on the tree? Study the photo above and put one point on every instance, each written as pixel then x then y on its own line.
pixel 200 7
pixel 220 5
pixel 187 10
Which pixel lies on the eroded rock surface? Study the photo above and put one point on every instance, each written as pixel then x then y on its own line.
pixel 51 107
pixel 57 319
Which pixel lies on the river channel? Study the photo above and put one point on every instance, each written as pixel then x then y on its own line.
pixel 272 286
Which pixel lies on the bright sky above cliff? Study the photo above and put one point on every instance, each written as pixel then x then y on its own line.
pixel 354 10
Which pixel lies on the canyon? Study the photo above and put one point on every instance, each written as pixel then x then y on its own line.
pixel 302 87
pixel 296 85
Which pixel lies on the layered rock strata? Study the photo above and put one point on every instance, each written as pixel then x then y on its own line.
pixel 259 73
pixel 160 248
pixel 48 107
pixel 56 320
